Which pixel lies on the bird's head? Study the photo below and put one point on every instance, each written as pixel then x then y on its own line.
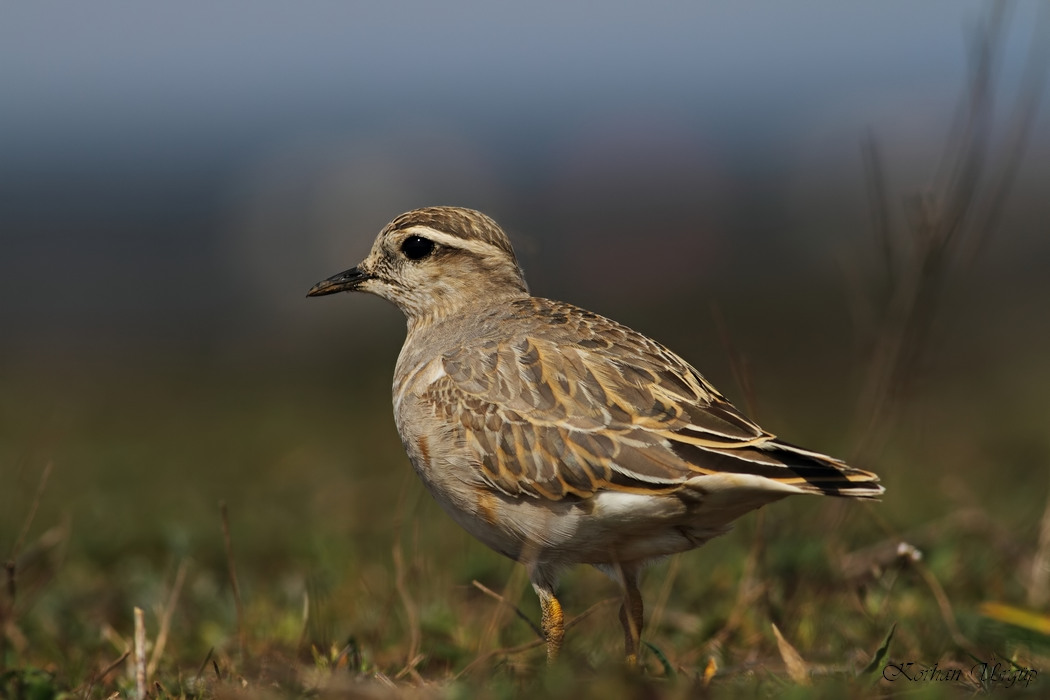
pixel 435 262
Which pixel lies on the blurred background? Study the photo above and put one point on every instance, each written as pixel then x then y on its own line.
pixel 734 179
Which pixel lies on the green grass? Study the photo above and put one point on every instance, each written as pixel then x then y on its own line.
pixel 353 583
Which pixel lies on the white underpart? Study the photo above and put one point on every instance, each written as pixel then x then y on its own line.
pixel 430 373
pixel 624 507
pixel 720 486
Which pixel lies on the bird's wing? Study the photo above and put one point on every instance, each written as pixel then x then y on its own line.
pixel 610 410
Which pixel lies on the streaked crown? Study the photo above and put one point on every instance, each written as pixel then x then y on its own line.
pixel 467 224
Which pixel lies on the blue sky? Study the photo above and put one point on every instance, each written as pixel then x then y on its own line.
pixel 84 76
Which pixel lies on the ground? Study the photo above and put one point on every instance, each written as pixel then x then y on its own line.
pixel 123 482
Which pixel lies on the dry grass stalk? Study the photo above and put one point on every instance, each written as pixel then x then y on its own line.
pixel 944 605
pixel 660 607
pixel 7 608
pixel 869 561
pixel 749 591
pixel 101 675
pixel 140 655
pixel 34 504
pixel 1039 573
pixel 512 590
pixel 232 568
pixel 165 620
pixel 508 651
pixel 304 628
pixel 415 634
pixel 204 665
pixel 1033 81
pixel 950 223
pixel 737 363
pixel 957 214
pixel 517 611
pixel 962 207
pixel 797 668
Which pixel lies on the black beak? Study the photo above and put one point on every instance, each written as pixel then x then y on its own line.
pixel 343 282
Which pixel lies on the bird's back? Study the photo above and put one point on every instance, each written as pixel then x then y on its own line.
pixel 552 401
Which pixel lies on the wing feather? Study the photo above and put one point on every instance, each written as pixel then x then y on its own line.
pixel 600 407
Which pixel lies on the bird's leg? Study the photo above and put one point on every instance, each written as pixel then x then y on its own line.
pixel 630 612
pixel 552 621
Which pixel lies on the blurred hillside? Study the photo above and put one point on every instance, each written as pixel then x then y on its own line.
pixel 182 175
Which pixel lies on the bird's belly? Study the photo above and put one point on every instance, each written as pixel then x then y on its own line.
pixel 609 527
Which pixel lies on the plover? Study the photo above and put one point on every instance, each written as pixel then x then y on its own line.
pixel 554 435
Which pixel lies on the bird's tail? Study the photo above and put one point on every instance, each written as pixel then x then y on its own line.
pixel 814 472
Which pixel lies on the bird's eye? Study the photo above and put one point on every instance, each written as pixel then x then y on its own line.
pixel 417 247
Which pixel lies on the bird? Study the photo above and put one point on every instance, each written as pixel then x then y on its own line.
pixel 559 437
